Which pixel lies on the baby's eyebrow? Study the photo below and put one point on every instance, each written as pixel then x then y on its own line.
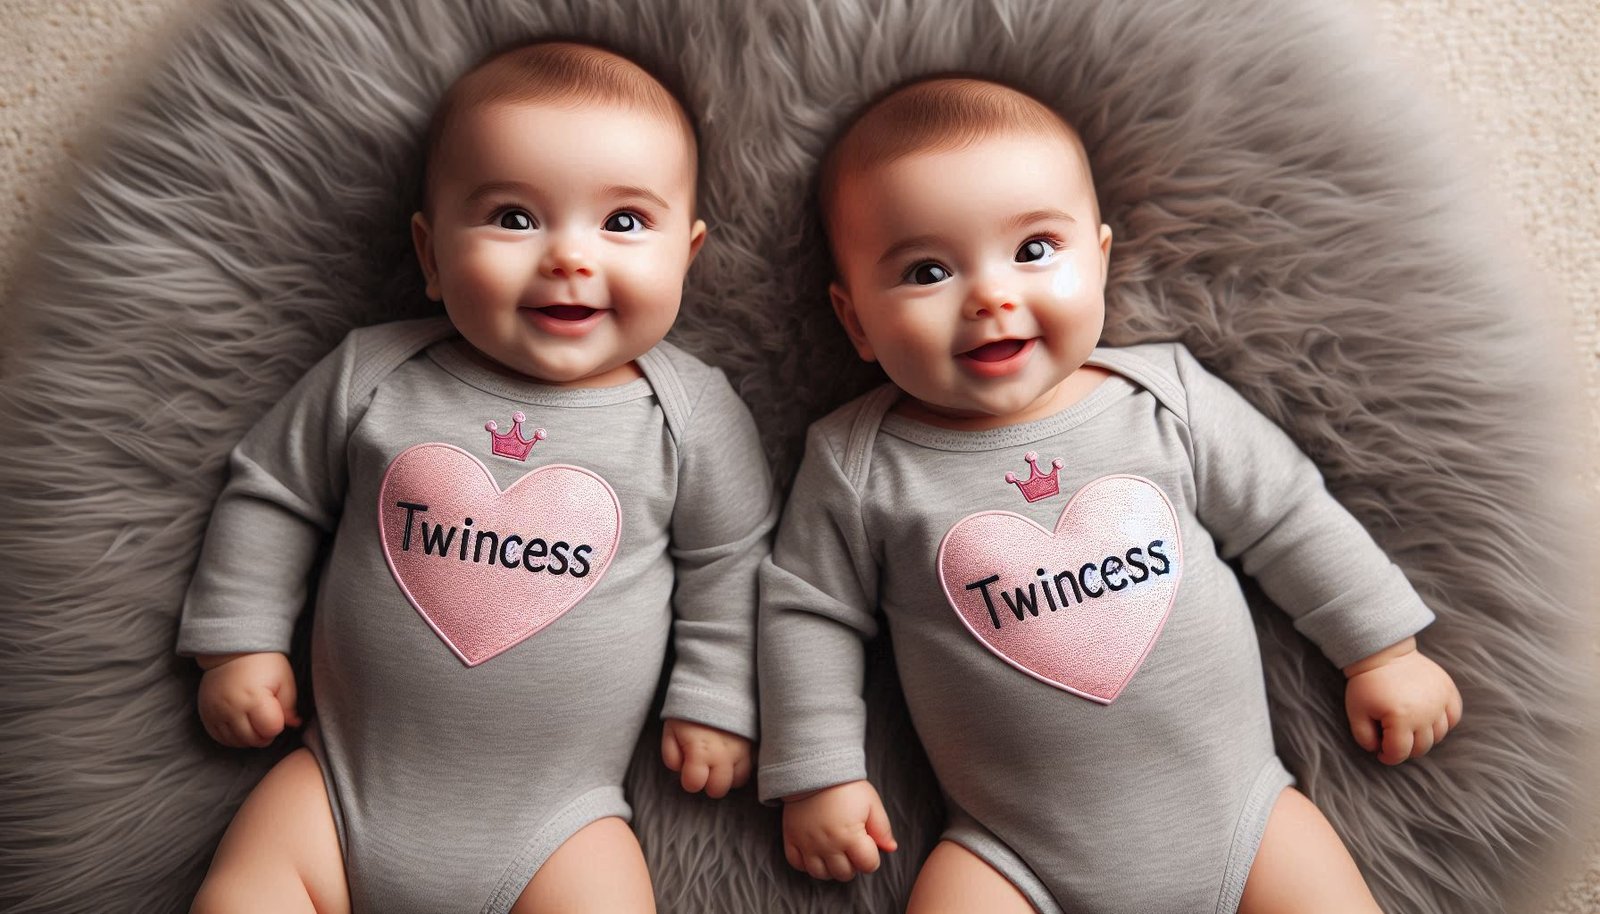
pixel 497 187
pixel 908 244
pixel 632 191
pixel 1022 220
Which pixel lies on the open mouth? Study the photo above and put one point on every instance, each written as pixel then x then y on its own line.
pixel 566 312
pixel 997 351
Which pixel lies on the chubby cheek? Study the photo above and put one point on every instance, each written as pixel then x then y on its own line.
pixel 1076 307
pixel 646 293
pixel 1067 280
pixel 913 344
pixel 914 329
pixel 479 278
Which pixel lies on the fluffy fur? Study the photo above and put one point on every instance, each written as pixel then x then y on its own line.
pixel 1279 203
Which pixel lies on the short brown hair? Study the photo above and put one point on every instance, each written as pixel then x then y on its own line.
pixel 555 71
pixel 932 114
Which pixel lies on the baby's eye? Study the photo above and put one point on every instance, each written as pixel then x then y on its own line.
pixel 1036 250
pixel 927 273
pixel 624 222
pixel 516 220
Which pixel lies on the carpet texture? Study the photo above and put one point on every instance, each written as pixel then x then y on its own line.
pixel 1281 203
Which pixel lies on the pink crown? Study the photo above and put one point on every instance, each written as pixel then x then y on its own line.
pixel 1038 486
pixel 513 445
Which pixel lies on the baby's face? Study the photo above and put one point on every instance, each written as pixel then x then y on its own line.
pixel 560 236
pixel 975 276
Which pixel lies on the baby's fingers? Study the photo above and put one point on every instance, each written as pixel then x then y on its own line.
pixel 839 867
pixel 671 752
pixel 236 732
pixel 265 720
pixel 792 854
pixel 816 867
pixel 1440 728
pixel 720 781
pixel 878 827
pixel 1423 741
pixel 1397 743
pixel 741 771
pixel 863 854
pixel 1365 730
pixel 695 775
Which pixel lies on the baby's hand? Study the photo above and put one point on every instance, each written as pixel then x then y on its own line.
pixel 706 757
pixel 1400 703
pixel 836 832
pixel 245 699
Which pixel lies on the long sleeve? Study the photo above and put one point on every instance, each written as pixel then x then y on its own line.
pixel 285 488
pixel 818 606
pixel 1265 503
pixel 721 526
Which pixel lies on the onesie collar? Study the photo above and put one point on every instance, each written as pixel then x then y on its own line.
pixel 450 357
pixel 1108 392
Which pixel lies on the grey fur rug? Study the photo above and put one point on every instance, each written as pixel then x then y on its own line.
pixel 1280 203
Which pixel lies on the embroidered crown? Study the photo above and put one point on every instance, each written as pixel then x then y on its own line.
pixel 1038 486
pixel 512 444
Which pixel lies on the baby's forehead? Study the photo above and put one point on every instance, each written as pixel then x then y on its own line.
pixel 480 131
pixel 631 115
pixel 866 171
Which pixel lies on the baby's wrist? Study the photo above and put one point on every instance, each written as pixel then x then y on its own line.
pixel 209 662
pixel 1382 658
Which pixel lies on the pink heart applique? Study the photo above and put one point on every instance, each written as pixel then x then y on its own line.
pixel 486 568
pixel 1078 608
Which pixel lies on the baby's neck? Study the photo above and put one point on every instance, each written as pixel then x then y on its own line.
pixel 1072 389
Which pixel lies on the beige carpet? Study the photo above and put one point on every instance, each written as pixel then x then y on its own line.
pixel 1522 78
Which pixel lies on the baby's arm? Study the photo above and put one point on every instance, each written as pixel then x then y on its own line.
pixel 283 495
pixel 818 600
pixel 721 525
pixel 1265 503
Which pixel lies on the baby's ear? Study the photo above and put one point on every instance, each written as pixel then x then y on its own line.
pixel 846 311
pixel 697 238
pixel 422 238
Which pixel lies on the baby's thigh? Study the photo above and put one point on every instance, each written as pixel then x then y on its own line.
pixel 599 869
pixel 956 880
pixel 281 852
pixel 1302 867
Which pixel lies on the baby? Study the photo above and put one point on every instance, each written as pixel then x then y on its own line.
pixel 1046 525
pixel 523 502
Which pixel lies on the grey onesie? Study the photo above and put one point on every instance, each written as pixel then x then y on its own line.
pixel 493 615
pixel 1077 656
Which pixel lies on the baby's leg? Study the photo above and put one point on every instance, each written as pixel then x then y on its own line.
pixel 1302 867
pixel 599 869
pixel 956 880
pixel 281 852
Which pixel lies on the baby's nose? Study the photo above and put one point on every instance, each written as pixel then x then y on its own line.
pixel 989 303
pixel 567 263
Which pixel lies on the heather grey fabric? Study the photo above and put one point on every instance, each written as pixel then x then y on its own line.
pixel 463 733
pixel 1078 659
pixel 1281 204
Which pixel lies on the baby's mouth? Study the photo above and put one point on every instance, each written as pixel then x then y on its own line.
pixel 997 351
pixel 567 312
